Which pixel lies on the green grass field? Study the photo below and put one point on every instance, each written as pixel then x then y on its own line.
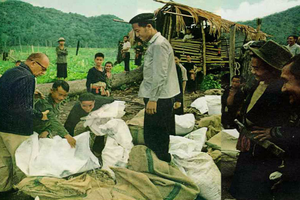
pixel 78 66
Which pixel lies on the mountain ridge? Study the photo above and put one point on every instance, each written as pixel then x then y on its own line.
pixel 25 24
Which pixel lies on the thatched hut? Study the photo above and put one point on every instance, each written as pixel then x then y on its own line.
pixel 216 41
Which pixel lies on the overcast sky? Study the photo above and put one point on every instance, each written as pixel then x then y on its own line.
pixel 234 10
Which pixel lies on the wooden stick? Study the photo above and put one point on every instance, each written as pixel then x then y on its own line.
pixel 170 29
pixel 122 21
pixel 232 51
pixel 204 50
pixel 178 14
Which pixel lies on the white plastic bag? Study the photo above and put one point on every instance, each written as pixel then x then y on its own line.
pixel 184 123
pixel 225 140
pixel 104 114
pixel 199 136
pixel 200 104
pixel 198 166
pixel 55 157
pixel 214 104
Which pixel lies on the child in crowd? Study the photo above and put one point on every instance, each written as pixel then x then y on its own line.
pixel 232 101
pixel 191 73
pixel 139 49
pixel 97 82
pixel 108 66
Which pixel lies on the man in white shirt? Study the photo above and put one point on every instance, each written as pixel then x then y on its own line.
pixel 292 45
pixel 126 53
pixel 159 87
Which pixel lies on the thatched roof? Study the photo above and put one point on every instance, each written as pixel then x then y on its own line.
pixel 217 24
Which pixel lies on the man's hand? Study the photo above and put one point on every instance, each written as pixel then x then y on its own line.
pixel 193 77
pixel 232 92
pixel 107 93
pixel 151 107
pixel 177 105
pixel 262 133
pixel 44 134
pixel 71 140
pixel 103 93
pixel 38 94
pixel 45 117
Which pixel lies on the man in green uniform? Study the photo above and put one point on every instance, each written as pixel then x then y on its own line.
pixel 52 102
pixel 62 53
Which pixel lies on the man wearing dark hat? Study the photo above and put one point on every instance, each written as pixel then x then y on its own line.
pixel 287 179
pixel 159 86
pixel 61 52
pixel 266 106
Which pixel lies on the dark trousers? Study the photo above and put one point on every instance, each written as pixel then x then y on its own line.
pixel 158 127
pixel 179 111
pixel 251 177
pixel 126 61
pixel 62 71
pixel 98 145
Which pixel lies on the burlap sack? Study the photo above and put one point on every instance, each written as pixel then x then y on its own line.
pixel 147 177
pixel 213 123
pixel 84 186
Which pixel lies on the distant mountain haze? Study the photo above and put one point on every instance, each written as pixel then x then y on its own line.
pixel 22 23
pixel 280 25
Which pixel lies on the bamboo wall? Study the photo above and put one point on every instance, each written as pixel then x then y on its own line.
pixel 215 53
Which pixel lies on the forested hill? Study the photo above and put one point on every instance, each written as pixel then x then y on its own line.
pixel 280 25
pixel 23 23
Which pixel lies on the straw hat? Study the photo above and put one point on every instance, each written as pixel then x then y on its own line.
pixel 273 54
pixel 61 39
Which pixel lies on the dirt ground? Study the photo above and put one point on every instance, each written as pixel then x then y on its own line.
pixel 133 106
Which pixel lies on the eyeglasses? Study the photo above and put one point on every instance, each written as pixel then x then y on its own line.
pixel 43 68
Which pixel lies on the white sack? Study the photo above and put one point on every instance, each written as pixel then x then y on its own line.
pixel 104 114
pixel 198 166
pixel 184 123
pixel 55 157
pixel 200 104
pixel 118 144
pixel 225 140
pixel 119 140
pixel 199 136
pixel 214 104
pixel 138 119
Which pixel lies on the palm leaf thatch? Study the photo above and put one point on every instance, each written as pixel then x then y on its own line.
pixel 217 24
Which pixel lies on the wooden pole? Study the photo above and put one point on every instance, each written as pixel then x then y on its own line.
pixel 170 29
pixel 20 44
pixel 258 21
pixel 203 50
pixel 178 14
pixel 117 20
pixel 232 50
pixel 164 26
